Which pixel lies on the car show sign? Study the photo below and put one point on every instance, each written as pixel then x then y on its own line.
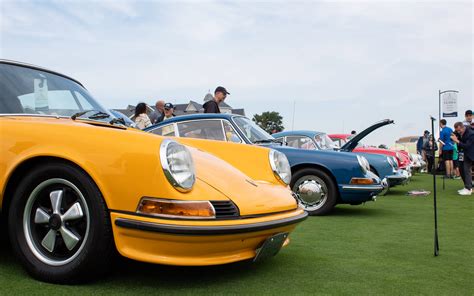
pixel 450 104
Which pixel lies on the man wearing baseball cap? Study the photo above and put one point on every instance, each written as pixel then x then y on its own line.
pixel 468 117
pixel 212 106
pixel 168 111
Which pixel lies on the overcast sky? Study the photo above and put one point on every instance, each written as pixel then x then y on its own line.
pixel 344 65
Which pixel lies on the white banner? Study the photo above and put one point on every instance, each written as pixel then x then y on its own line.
pixel 450 104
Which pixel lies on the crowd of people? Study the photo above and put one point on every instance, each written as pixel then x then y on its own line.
pixel 456 151
pixel 165 111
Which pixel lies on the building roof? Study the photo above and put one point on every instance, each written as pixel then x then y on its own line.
pixel 182 109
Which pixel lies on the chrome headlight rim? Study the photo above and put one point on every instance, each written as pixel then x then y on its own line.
pixel 281 171
pixel 188 184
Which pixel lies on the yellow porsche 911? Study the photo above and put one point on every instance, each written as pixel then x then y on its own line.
pixel 75 184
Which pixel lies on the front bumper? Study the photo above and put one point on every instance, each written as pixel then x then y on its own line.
pixel 356 194
pixel 397 179
pixel 194 243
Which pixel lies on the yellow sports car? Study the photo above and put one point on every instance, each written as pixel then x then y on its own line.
pixel 75 184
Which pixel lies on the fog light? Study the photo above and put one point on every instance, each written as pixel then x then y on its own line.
pixel 176 208
pixel 362 181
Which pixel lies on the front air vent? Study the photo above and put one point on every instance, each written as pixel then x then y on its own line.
pixel 225 209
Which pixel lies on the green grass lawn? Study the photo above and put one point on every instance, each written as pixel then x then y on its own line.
pixel 382 247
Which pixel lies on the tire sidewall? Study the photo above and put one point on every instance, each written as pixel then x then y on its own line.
pixel 79 267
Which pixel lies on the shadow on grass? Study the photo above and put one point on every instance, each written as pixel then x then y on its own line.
pixel 174 277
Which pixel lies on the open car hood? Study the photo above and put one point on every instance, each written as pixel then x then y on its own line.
pixel 352 143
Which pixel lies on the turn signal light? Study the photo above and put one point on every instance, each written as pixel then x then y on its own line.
pixel 176 208
pixel 362 181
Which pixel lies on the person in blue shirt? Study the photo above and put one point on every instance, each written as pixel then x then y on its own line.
pixel 446 147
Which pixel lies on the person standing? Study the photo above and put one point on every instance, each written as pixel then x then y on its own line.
pixel 212 106
pixel 421 143
pixel 428 151
pixel 468 119
pixel 168 111
pixel 446 149
pixel 467 144
pixel 141 118
pixel 157 116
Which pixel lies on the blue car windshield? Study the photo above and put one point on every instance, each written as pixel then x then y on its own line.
pixel 324 142
pixel 28 91
pixel 251 130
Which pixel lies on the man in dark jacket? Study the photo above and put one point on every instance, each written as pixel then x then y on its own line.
pixel 212 106
pixel 467 144
pixel 421 143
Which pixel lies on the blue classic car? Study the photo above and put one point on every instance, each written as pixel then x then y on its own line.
pixel 320 179
pixel 383 166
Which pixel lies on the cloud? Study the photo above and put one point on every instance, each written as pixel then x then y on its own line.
pixel 359 60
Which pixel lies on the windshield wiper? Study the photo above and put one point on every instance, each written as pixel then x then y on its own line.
pixel 267 141
pixel 118 121
pixel 97 115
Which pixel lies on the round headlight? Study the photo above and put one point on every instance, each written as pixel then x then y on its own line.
pixel 178 165
pixel 364 164
pixel 280 166
pixel 390 161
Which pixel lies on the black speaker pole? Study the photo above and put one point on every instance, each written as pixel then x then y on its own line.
pixel 433 171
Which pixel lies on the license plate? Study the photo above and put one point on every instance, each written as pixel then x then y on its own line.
pixel 270 247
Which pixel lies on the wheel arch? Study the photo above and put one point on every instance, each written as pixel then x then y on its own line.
pixel 302 166
pixel 374 170
pixel 22 168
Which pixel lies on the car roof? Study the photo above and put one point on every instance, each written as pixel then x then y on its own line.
pixel 21 64
pixel 195 117
pixel 339 136
pixel 297 133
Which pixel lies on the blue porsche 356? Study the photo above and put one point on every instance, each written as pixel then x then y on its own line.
pixel 383 166
pixel 321 179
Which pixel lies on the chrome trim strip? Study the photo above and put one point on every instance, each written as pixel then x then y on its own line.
pixel 362 187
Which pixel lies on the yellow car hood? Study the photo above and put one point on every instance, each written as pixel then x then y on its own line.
pixel 252 197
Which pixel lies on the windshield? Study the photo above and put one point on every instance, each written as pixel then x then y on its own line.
pixel 33 92
pixel 324 142
pixel 251 130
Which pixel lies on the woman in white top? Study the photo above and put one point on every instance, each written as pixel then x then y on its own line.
pixel 141 118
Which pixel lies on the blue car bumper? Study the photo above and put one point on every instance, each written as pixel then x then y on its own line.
pixel 356 194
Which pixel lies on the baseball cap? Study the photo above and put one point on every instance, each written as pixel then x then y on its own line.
pixel 168 106
pixel 222 90
pixel 468 112
pixel 426 132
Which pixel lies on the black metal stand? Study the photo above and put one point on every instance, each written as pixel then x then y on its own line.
pixel 436 243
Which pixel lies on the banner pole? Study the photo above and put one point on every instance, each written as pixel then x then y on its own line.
pixel 433 171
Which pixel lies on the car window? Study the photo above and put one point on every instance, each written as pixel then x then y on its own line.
pixel 324 142
pixel 29 91
pixel 202 129
pixel 251 130
pixel 166 131
pixel 301 142
pixel 230 133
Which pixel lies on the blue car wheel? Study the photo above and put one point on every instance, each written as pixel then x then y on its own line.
pixel 316 191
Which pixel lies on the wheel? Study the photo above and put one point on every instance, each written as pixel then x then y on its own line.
pixel 317 192
pixel 59 225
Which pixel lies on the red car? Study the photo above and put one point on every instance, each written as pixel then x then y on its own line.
pixel 402 158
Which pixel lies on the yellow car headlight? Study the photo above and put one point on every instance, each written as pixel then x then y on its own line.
pixel 176 208
pixel 178 165
pixel 280 166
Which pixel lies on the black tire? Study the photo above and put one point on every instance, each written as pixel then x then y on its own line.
pixel 323 179
pixel 92 244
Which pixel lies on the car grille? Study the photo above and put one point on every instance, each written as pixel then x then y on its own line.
pixel 225 209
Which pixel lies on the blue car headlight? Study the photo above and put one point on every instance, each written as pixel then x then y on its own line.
pixel 364 164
